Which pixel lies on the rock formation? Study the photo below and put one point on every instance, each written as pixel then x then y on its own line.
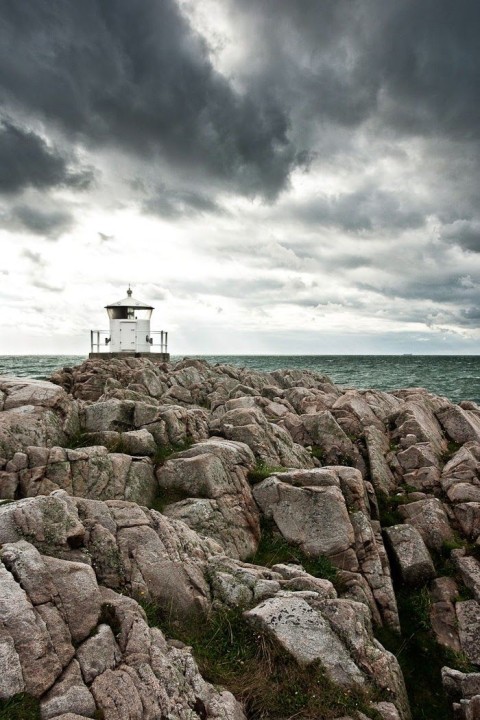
pixel 143 504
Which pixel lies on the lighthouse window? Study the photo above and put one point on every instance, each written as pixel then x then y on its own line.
pixel 130 314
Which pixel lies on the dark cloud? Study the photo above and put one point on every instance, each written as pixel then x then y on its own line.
pixel 48 223
pixel 464 233
pixel 138 76
pixel 26 160
pixel 445 287
pixel 413 63
pixel 429 59
pixel 364 210
pixel 472 314
pixel 313 57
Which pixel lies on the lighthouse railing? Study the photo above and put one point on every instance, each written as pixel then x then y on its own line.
pixel 98 341
pixel 159 341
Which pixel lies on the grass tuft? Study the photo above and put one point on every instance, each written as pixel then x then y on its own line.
pixel 273 549
pixel 452 449
pixel 388 505
pixel 79 440
pixel 420 656
pixel 163 452
pixel 262 471
pixel 318 453
pixel 233 654
pixel 20 707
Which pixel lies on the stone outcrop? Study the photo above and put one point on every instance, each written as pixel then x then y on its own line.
pixel 335 632
pixel 428 516
pixel 271 444
pixel 327 513
pixel 90 472
pixel 277 468
pixel 34 412
pixel 309 509
pixel 464 690
pixel 130 549
pixel 84 650
pixel 212 477
pixel 411 555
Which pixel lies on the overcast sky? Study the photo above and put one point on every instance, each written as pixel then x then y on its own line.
pixel 274 176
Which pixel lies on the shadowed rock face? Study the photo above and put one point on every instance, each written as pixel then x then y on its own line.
pixel 55 647
pixel 225 451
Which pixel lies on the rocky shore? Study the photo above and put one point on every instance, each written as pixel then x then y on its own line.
pixel 195 541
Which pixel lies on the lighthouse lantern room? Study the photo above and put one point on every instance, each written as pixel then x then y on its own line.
pixel 130 332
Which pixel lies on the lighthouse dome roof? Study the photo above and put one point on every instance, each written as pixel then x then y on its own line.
pixel 131 302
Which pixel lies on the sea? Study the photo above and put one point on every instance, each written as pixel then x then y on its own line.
pixel 456 377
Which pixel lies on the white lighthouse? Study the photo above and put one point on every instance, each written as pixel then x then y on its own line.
pixel 130 332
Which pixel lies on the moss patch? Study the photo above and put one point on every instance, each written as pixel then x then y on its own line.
pixel 388 508
pixel 262 471
pixel 163 452
pixel 79 440
pixel 318 453
pixel 273 549
pixel 452 449
pixel 20 707
pixel 166 497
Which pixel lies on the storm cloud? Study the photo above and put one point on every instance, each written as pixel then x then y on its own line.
pixel 258 169
pixel 47 223
pixel 138 76
pixel 27 160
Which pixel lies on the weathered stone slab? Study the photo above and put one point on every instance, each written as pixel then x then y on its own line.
pixel 316 518
pixel 381 476
pixel 307 636
pixel 468 615
pixel 430 519
pixel 410 553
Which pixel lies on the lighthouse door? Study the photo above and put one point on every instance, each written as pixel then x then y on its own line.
pixel 127 336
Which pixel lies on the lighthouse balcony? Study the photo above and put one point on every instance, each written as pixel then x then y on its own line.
pixel 152 344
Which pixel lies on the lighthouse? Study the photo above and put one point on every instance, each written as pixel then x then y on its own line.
pixel 129 333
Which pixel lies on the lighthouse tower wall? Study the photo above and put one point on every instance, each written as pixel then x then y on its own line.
pixel 130 336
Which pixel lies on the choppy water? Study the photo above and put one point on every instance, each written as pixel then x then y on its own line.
pixel 455 376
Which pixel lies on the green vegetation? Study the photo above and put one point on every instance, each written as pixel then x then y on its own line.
pixel 20 707
pixel 83 439
pixel 388 505
pixel 261 471
pixel 444 565
pixel 79 440
pixel 166 497
pixel 163 452
pixel 273 549
pixel 388 509
pixel 420 656
pixel 233 654
pixel 318 453
pixel 452 448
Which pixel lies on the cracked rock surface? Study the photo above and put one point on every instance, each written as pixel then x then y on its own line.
pixel 202 489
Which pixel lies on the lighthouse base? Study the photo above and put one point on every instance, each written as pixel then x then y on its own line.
pixel 157 357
